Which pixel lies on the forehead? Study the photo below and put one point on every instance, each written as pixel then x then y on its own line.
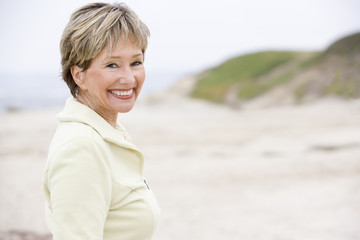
pixel 122 49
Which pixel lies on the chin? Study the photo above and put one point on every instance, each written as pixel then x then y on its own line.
pixel 125 108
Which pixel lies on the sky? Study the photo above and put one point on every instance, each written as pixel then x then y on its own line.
pixel 187 35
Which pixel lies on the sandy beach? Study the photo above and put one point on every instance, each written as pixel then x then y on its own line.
pixel 287 172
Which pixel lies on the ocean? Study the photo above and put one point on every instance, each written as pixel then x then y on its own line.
pixel 39 91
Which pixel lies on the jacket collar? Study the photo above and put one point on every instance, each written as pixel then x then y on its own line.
pixel 75 111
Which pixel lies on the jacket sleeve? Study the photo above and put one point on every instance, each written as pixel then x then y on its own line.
pixel 80 191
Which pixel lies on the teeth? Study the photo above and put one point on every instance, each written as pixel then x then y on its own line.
pixel 122 93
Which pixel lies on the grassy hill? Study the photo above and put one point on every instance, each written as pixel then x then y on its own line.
pixel 300 76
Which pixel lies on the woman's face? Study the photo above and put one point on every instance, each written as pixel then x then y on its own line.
pixel 114 79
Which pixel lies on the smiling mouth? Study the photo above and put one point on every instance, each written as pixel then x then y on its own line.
pixel 123 93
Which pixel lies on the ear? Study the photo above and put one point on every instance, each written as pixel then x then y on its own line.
pixel 78 75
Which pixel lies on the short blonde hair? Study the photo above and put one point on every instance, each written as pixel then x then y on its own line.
pixel 93 27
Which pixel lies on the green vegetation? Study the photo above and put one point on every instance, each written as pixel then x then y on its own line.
pixel 300 92
pixel 334 71
pixel 345 46
pixel 214 84
pixel 253 88
pixel 315 58
pixel 347 88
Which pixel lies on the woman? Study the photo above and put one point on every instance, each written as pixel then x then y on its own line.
pixel 93 180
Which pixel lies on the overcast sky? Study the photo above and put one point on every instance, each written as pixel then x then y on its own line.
pixel 186 35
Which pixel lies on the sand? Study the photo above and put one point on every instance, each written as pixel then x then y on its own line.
pixel 289 172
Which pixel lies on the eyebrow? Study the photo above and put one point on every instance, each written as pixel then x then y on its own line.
pixel 118 56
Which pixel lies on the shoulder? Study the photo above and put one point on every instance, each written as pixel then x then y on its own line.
pixel 73 132
pixel 76 150
pixel 76 139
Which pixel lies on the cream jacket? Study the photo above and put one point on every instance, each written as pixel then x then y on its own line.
pixel 93 182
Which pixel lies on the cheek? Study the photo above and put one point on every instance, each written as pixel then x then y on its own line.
pixel 101 81
pixel 140 78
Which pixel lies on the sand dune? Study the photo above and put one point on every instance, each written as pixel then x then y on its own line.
pixel 290 172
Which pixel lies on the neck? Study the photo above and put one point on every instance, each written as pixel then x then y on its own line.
pixel 110 117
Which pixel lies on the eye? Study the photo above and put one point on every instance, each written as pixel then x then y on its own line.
pixel 112 65
pixel 136 63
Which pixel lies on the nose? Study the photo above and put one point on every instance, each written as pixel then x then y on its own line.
pixel 126 76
